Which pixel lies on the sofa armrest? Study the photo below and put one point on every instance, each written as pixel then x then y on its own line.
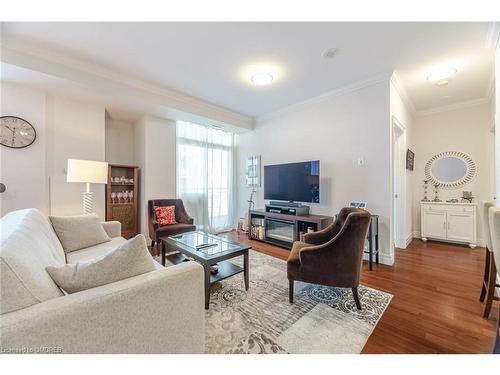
pixel 112 228
pixel 184 217
pixel 157 312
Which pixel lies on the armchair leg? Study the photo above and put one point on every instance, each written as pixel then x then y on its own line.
pixel 154 248
pixel 158 248
pixel 290 290
pixel 356 297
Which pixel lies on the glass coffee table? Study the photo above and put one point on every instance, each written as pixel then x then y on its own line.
pixel 208 250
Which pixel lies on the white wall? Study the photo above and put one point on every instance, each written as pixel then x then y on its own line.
pixel 497 118
pixel 119 142
pixel 401 112
pixel 77 131
pixel 155 154
pixel 491 151
pixel 36 176
pixel 465 129
pixel 337 129
pixel 23 170
pixel 140 161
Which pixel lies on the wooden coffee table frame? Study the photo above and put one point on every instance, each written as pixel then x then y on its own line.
pixel 179 252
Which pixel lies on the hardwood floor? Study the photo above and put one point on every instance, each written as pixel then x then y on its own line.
pixel 436 306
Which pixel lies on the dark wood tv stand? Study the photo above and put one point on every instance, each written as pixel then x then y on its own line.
pixel 282 230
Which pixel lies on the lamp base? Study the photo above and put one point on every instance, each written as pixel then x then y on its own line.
pixel 88 197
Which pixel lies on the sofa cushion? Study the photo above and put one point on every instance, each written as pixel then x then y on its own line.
pixel 27 245
pixel 95 251
pixel 78 232
pixel 130 259
pixel 99 250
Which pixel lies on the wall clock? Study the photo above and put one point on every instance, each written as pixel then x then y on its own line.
pixel 16 132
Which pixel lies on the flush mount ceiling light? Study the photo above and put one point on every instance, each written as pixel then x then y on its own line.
pixel 261 74
pixel 441 74
pixel 261 78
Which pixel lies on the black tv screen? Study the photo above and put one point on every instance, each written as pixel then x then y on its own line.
pixel 297 182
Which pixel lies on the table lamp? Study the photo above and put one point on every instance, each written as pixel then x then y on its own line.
pixel 89 172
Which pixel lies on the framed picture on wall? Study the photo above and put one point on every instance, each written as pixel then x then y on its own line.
pixel 253 171
pixel 410 159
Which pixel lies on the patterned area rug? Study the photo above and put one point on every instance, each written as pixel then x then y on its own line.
pixel 261 320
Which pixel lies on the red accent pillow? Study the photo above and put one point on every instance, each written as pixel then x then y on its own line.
pixel 165 215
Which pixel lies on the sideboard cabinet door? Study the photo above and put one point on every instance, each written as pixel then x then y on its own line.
pixel 434 224
pixel 461 227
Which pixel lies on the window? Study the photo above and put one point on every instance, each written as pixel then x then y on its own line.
pixel 204 175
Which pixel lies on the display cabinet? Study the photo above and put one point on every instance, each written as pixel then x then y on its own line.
pixel 122 191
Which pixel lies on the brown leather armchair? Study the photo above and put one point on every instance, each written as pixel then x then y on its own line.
pixel 332 256
pixel 184 222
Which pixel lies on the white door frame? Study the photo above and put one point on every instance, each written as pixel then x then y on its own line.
pixel 398 185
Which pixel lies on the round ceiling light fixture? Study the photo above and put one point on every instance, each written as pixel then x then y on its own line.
pixel 442 83
pixel 441 74
pixel 261 73
pixel 261 78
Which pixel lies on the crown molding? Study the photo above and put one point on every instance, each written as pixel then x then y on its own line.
pixel 37 57
pixel 493 35
pixel 398 85
pixel 357 86
pixel 454 106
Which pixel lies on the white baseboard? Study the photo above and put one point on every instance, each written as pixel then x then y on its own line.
pixel 384 259
pixel 409 239
pixel 480 241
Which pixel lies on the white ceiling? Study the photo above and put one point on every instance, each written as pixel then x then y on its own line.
pixel 116 108
pixel 205 60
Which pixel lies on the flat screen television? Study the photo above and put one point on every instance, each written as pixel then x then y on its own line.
pixel 297 182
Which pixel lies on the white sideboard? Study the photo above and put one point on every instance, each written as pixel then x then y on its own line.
pixel 453 222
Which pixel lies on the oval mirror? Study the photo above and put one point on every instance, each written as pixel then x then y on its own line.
pixel 450 169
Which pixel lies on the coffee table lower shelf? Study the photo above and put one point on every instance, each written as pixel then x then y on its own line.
pixel 176 251
pixel 226 268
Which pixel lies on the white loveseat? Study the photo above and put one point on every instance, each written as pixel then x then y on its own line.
pixel 157 312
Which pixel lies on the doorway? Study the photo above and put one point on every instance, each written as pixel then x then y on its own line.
pixel 398 183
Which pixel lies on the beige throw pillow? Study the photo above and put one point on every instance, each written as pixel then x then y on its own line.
pixel 132 258
pixel 78 232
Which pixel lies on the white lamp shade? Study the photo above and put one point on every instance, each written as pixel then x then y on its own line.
pixel 87 171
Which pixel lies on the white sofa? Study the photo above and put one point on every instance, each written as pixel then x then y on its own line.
pixel 157 312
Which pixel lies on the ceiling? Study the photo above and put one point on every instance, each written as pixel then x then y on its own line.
pixel 116 108
pixel 207 60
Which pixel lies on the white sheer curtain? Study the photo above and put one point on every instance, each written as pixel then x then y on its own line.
pixel 205 175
